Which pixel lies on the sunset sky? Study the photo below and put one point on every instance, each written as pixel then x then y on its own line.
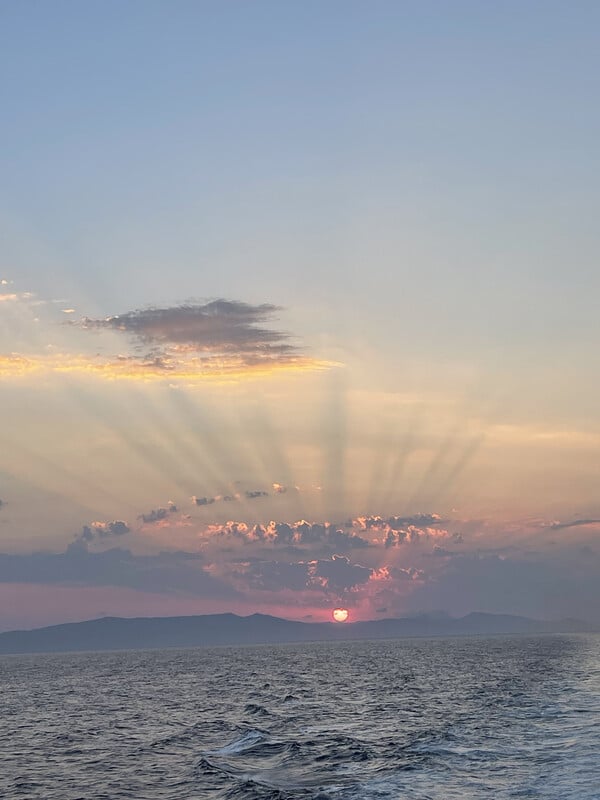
pixel 299 309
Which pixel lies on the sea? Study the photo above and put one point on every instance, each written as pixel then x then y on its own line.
pixel 494 718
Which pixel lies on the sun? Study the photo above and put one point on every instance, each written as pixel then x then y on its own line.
pixel 340 614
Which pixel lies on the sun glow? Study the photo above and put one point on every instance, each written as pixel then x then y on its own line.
pixel 340 614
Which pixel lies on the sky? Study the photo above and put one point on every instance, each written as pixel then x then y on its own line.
pixel 299 309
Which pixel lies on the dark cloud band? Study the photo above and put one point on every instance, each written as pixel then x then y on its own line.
pixel 217 329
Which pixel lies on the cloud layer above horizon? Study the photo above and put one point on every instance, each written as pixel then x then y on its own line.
pixel 374 565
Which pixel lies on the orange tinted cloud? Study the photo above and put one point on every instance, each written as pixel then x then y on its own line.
pixel 132 368
pixel 222 340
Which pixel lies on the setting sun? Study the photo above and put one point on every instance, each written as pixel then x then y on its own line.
pixel 340 614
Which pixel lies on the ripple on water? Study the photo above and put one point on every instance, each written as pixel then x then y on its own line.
pixel 416 719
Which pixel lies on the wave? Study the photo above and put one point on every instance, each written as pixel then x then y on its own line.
pixel 246 742
pixel 256 709
pixel 199 724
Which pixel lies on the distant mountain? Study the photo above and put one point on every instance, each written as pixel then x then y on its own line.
pixel 116 633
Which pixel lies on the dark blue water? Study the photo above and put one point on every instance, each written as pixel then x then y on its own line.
pixel 445 718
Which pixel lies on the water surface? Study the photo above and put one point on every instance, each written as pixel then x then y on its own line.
pixel 441 718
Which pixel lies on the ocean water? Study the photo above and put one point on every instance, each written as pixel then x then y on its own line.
pixel 440 718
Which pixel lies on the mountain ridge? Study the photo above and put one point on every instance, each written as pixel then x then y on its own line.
pixel 131 633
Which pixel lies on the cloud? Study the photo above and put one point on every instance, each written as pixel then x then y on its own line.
pixel 221 334
pixel 398 523
pixel 530 584
pixel 203 501
pixel 26 298
pixel 557 526
pixel 174 572
pixel 293 567
pixel 116 528
pixel 181 571
pixel 391 573
pixel 307 562
pixel 296 534
pixel 16 297
pixel 443 552
pixel 101 530
pixel 251 494
pixel 309 565
pixel 412 535
pixel 217 325
pixel 334 575
pixel 274 576
pixel 395 531
pixel 150 368
pixel 185 344
pixel 338 574
pixel 158 514
pixel 254 494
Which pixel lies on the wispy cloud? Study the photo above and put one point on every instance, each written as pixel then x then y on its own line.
pixel 220 336
pixel 557 526
pixel 219 325
pixel 221 340
pixel 28 298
